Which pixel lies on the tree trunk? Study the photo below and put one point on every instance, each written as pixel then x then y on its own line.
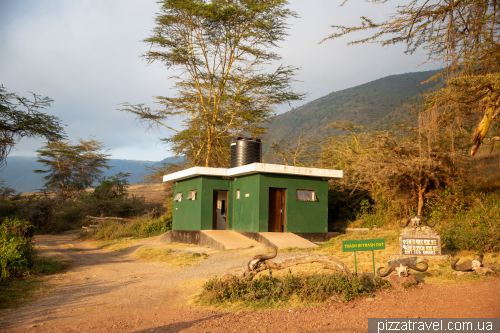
pixel 421 191
pixel 484 125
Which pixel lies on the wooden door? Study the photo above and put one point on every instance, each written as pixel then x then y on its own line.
pixel 276 210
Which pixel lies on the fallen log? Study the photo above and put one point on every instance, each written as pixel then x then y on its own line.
pixel 102 219
pixel 257 265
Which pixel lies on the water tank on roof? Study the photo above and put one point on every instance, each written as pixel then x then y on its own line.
pixel 245 151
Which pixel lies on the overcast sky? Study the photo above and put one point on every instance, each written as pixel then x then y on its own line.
pixel 85 55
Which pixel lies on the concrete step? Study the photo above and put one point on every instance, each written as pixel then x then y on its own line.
pixel 283 240
pixel 227 239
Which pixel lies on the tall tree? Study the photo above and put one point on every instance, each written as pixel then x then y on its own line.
pixel 70 167
pixel 219 50
pixel 463 36
pixel 21 117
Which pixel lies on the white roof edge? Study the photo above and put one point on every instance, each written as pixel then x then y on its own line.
pixel 283 169
pixel 193 172
pixel 253 168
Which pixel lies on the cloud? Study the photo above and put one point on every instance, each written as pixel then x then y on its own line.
pixel 85 55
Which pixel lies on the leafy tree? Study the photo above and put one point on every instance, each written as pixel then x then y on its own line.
pixel 401 170
pixel 114 187
pixel 463 36
pixel 218 49
pixel 294 151
pixel 16 124
pixel 71 167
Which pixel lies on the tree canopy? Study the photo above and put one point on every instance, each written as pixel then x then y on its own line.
pixel 72 167
pixel 460 35
pixel 218 50
pixel 16 123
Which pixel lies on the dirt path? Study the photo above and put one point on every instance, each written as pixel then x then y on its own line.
pixel 115 292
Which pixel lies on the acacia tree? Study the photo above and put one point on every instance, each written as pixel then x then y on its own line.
pixel 20 117
pixel 462 35
pixel 218 50
pixel 402 170
pixel 70 167
pixel 294 151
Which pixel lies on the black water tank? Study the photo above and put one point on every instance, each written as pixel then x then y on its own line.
pixel 245 151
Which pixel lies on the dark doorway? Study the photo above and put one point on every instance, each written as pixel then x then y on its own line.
pixel 276 210
pixel 219 210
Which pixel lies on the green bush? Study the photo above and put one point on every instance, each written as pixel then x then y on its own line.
pixel 268 290
pixel 475 229
pixel 16 248
pixel 139 228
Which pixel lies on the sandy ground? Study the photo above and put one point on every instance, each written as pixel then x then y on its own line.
pixel 114 292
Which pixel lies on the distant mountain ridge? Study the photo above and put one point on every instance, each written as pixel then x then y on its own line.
pixel 19 174
pixel 376 104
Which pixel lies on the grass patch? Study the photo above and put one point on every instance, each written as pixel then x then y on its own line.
pixel 17 292
pixel 268 291
pixel 364 258
pixel 116 245
pixel 438 271
pixel 72 248
pixel 178 259
pixel 138 228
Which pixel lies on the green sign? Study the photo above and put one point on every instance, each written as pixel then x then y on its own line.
pixel 363 245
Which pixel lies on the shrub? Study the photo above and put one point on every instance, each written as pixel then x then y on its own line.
pixel 16 248
pixel 267 290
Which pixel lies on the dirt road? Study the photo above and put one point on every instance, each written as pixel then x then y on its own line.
pixel 115 292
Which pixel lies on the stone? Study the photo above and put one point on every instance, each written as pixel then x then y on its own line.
pixel 419 231
pixel 398 282
pixel 483 271
pixel 459 273
pixel 405 259
pixel 416 243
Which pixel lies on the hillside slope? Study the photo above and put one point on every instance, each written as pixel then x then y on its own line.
pixel 376 104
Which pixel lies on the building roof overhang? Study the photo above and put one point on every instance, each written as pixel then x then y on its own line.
pixel 252 169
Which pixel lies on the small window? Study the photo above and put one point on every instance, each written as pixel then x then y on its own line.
pixel 237 194
pixel 178 197
pixel 192 195
pixel 304 195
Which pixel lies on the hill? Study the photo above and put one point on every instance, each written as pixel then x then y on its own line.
pixel 19 174
pixel 377 104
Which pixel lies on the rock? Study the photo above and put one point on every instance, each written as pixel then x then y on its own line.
pixel 459 273
pixel 410 260
pixel 419 231
pixel 483 271
pixel 399 282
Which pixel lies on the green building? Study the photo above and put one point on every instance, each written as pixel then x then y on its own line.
pixel 253 198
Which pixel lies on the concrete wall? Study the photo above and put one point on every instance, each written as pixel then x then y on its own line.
pixel 300 216
pixel 250 213
pixel 187 213
pixel 197 214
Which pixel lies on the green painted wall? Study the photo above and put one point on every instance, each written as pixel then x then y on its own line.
pixel 300 216
pixel 197 214
pixel 209 184
pixel 250 213
pixel 187 213
pixel 246 209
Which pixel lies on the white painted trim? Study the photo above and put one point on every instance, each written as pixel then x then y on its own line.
pixel 193 172
pixel 251 169
pixel 284 170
